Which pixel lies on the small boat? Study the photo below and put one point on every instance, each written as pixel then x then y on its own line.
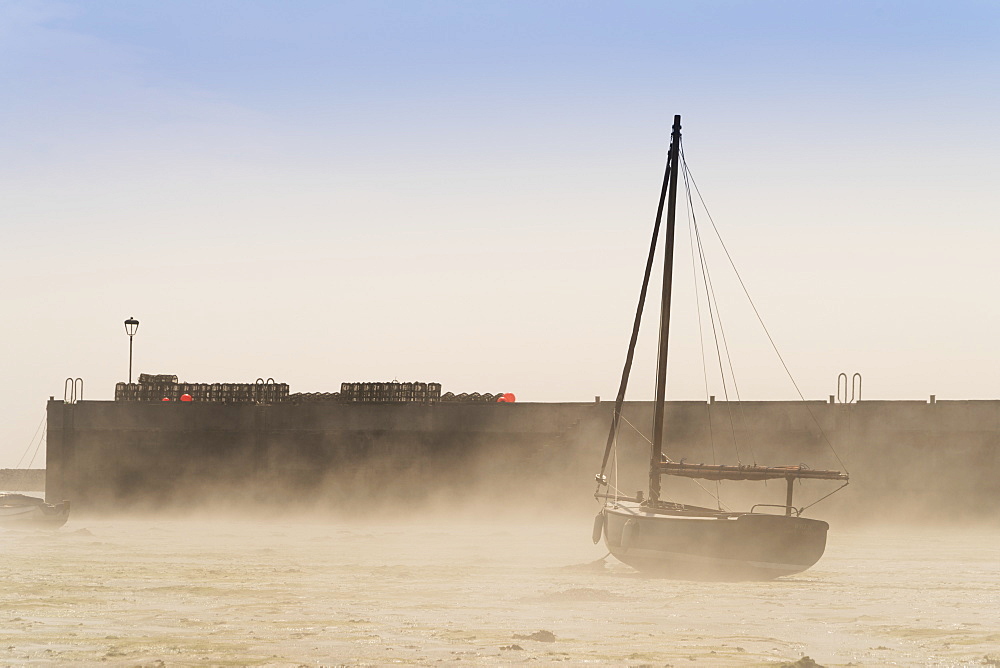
pixel 671 539
pixel 18 511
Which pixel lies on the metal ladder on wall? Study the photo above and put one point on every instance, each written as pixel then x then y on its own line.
pixel 843 386
pixel 72 390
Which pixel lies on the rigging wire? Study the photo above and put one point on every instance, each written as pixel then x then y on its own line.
pixel 614 468
pixel 713 313
pixel 718 498
pixel 32 442
pixel 722 329
pixel 766 332
pixel 39 446
pixel 637 430
pixel 701 334
pixel 804 508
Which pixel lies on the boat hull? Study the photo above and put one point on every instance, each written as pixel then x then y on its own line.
pixel 712 546
pixel 22 512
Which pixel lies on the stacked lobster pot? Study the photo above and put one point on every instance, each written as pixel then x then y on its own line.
pixel 393 392
pixel 166 388
pixel 471 397
pixel 313 397
pixel 151 387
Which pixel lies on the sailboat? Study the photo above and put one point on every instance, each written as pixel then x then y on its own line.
pixel 677 540
pixel 18 511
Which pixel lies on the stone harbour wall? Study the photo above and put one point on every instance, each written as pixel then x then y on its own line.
pixel 906 458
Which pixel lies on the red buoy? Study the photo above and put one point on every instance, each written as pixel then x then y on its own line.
pixel 501 399
pixel 186 397
pixel 509 397
pixel 165 399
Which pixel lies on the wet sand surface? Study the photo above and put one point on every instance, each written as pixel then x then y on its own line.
pixel 185 592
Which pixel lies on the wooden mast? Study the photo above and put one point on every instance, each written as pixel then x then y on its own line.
pixel 661 361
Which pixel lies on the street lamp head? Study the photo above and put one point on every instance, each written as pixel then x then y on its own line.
pixel 131 325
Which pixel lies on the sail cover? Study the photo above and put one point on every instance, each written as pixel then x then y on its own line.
pixel 721 472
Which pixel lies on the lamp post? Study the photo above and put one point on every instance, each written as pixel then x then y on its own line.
pixel 131 325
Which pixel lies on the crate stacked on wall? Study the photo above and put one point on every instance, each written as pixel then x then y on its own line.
pixel 390 393
pixel 471 397
pixel 313 397
pixel 160 387
pixel 149 388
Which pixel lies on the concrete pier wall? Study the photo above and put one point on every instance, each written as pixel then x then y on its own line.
pixel 905 457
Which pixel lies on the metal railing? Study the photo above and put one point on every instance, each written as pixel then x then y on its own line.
pixel 73 390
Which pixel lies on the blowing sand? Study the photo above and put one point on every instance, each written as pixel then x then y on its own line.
pixel 473 591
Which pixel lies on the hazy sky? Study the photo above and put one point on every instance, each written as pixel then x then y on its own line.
pixel 462 192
